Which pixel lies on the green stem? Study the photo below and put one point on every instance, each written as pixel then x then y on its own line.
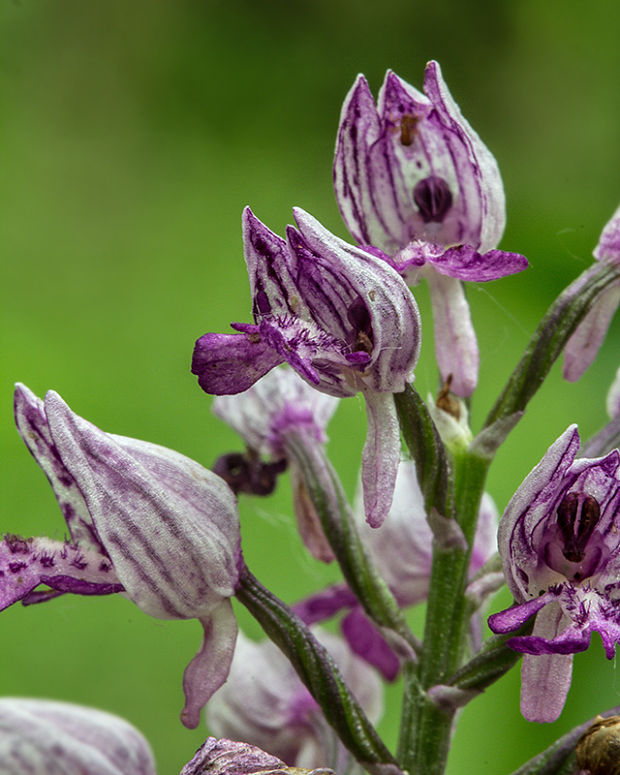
pixel 426 730
pixel 338 523
pixel 319 673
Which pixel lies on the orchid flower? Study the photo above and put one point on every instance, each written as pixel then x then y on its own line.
pixel 277 405
pixel 227 757
pixel 560 547
pixel 265 703
pixel 342 318
pixel 40 737
pixel 415 184
pixel 584 344
pixel 143 521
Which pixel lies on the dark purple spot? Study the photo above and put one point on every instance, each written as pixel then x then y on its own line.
pixel 260 245
pixel 433 198
pixel 263 307
pixel 353 132
pixel 248 474
pixel 79 562
pixel 577 520
pixel 16 544
pixel 47 561
pixel 15 567
pixel 65 479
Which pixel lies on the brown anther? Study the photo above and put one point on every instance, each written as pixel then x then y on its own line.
pixel 254 338
pixel 408 129
pixel 363 343
pixel 446 401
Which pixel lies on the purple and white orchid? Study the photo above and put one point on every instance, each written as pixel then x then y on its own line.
pixel 559 540
pixel 341 317
pixel 265 703
pixel 279 405
pixel 415 184
pixel 584 344
pixel 143 521
pixel 40 737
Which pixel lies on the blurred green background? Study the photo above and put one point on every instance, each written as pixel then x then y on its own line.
pixel 132 135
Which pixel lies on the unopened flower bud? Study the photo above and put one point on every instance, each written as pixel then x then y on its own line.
pixel 598 750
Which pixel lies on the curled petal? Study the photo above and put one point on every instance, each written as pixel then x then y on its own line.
pixel 210 667
pixel 456 347
pixel 380 456
pixel 583 346
pixel 231 363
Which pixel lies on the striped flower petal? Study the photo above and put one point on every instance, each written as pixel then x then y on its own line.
pixel 38 737
pixel 157 526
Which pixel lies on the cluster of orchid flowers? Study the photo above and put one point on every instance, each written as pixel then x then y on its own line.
pixel 422 198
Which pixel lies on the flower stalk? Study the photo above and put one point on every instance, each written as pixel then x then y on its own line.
pixel 331 505
pixel 319 673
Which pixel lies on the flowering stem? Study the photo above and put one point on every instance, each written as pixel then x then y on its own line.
pixel 318 672
pixel 426 728
pixel 338 523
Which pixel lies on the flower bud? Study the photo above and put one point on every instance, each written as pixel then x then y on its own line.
pixel 40 737
pixel 227 757
pixel 598 750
